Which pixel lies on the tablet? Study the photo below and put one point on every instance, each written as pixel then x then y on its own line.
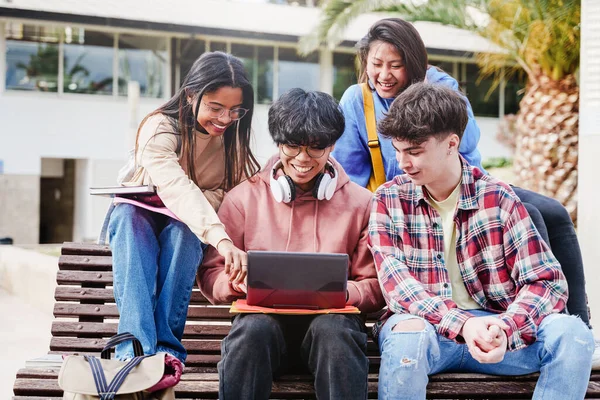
pixel 297 280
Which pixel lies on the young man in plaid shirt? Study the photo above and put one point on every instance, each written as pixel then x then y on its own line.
pixel 469 283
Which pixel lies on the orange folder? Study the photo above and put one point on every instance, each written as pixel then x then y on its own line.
pixel 240 306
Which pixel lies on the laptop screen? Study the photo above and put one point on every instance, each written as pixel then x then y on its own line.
pixel 297 280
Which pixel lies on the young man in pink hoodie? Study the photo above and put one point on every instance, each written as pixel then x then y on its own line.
pixel 301 201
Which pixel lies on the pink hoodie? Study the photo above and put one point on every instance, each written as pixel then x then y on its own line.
pixel 255 221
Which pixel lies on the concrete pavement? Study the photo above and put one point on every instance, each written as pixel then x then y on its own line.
pixel 24 334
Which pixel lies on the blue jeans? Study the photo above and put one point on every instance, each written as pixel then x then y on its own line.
pixel 562 354
pixel 556 227
pixel 261 347
pixel 155 259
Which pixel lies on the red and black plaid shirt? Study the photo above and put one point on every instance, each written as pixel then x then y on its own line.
pixel 506 266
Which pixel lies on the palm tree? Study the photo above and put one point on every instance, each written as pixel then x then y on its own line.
pixel 539 37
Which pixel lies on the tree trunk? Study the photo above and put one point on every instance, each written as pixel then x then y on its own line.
pixel 547 152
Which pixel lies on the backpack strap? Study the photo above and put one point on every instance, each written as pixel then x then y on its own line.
pixel 109 391
pixel 377 177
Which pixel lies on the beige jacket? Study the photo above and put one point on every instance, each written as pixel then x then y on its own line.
pixel 158 164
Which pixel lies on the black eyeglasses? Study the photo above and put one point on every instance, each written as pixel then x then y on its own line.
pixel 293 150
pixel 218 111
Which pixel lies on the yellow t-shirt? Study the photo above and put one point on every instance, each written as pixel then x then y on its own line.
pixel 447 208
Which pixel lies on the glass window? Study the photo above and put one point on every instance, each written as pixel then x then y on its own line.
pixel 246 54
pixel 31 57
pixel 143 59
pixel 218 46
pixel 477 93
pixel 191 49
pixel 344 73
pixel 295 71
pixel 32 33
pixel 446 66
pixel 88 61
pixel 258 62
pixel 513 93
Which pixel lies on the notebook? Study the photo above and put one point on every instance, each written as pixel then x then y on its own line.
pixel 112 191
pixel 297 280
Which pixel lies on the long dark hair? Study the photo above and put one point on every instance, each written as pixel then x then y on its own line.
pixel 210 72
pixel 407 41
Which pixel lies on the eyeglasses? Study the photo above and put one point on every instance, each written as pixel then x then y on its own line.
pixel 293 150
pixel 218 111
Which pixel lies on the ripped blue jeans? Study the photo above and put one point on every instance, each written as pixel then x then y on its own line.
pixel 562 354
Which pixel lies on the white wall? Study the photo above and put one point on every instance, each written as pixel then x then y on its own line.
pixel 589 153
pixel 43 125
pixel 489 146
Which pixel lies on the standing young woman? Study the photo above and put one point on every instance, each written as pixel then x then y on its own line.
pixel 393 57
pixel 193 149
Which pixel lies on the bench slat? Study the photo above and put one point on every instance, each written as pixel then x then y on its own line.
pixel 96 345
pixel 78 248
pixel 195 312
pixel 453 385
pixel 71 294
pixel 78 277
pixel 85 263
pixel 205 385
pixel 95 329
pixel 66 293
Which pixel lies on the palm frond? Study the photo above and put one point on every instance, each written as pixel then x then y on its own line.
pixel 336 15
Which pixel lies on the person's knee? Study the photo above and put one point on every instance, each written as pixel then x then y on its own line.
pixel 553 212
pixel 181 233
pixel 329 324
pixel 128 217
pixel 409 325
pixel 336 334
pixel 570 333
pixel 255 330
pixel 332 326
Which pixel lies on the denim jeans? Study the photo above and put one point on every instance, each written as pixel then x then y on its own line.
pixel 562 354
pixel 261 347
pixel 556 227
pixel 155 259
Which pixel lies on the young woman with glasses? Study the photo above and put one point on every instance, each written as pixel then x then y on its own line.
pixel 193 149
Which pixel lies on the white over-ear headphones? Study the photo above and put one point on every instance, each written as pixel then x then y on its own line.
pixel 284 189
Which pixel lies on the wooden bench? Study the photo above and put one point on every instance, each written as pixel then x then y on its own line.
pixel 86 316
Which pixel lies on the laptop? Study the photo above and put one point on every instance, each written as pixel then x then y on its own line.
pixel 279 279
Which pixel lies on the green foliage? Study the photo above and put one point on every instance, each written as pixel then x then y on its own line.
pixel 496 162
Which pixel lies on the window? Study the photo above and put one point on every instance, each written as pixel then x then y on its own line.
pixel 246 54
pixel 191 49
pixel 446 66
pixel 31 57
pixel 88 61
pixel 344 73
pixel 295 71
pixel 258 62
pixel 142 59
pixel 513 93
pixel 218 46
pixel 265 74
pixel 477 93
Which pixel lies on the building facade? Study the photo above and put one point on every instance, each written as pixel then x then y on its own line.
pixel 69 109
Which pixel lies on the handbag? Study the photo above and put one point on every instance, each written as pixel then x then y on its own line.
pixel 377 177
pixel 88 377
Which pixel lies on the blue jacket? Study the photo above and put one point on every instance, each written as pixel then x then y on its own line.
pixel 352 152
